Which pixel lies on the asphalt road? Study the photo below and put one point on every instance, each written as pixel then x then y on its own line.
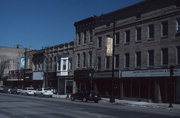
pixel 17 106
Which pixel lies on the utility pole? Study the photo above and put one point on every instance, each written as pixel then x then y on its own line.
pixel 112 99
pixel 171 86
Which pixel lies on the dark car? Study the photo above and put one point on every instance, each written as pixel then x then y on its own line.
pixel 86 96
pixel 15 91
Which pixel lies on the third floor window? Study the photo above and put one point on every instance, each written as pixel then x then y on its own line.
pixel 151 31
pixel 164 28
pixel 127 36
pixel 99 45
pixel 138 34
pixel 117 37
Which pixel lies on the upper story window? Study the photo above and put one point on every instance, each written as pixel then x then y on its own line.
pixel 78 39
pixel 164 29
pixel 84 59
pixel 138 59
pixel 107 62
pixel 91 35
pixel 127 60
pixel 116 61
pixel 151 58
pixel 85 37
pixel 59 64
pixel 164 56
pixel 90 58
pixel 151 31
pixel 99 63
pixel 64 65
pixel 178 25
pixel 117 37
pixel 138 34
pixel 99 45
pixel 88 35
pixel 82 37
pixel 178 55
pixel 78 60
pixel 127 36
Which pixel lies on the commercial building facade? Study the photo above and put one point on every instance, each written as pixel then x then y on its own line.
pixel 146 42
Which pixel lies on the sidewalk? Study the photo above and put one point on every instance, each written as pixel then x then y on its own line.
pixel 144 104
pixel 133 103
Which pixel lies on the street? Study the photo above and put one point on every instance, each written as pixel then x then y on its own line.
pixel 18 106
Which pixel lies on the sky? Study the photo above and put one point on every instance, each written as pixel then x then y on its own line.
pixel 40 23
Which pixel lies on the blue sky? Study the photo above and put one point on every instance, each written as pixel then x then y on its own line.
pixel 39 23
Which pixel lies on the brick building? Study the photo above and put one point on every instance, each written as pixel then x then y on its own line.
pixel 146 44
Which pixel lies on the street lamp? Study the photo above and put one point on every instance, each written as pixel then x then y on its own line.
pixel 112 99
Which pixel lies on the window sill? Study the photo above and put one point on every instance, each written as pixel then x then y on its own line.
pixel 126 43
pixel 138 67
pixel 138 41
pixel 126 68
pixel 150 67
pixel 151 39
pixel 164 37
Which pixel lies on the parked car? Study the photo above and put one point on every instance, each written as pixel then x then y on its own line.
pixel 15 91
pixel 86 96
pixel 28 91
pixel 1 89
pixel 44 92
pixel 5 89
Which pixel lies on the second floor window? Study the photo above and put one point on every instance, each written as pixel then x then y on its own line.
pixel 117 37
pixel 99 63
pixel 107 62
pixel 90 58
pixel 127 36
pixel 138 59
pixel 116 61
pixel 164 28
pixel 64 64
pixel 99 45
pixel 78 60
pixel 151 31
pixel 178 55
pixel 164 56
pixel 151 58
pixel 138 34
pixel 127 60
pixel 84 59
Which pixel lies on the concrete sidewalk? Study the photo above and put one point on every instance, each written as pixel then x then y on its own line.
pixel 144 104
pixel 132 103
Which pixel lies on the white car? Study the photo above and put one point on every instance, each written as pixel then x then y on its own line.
pixel 44 92
pixel 28 91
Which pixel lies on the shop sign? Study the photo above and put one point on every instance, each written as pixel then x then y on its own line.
pixel 38 75
pixel 105 74
pixel 146 73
